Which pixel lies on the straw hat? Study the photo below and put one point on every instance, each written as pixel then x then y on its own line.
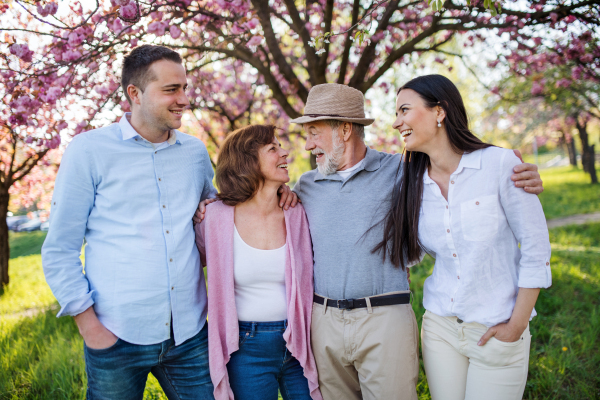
pixel 334 101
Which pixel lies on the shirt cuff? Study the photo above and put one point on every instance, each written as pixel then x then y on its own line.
pixel 77 306
pixel 533 278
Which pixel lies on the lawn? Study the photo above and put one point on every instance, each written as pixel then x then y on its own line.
pixel 41 356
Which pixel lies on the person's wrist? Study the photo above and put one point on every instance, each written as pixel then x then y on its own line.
pixel 517 327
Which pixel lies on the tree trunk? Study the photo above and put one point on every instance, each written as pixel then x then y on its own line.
pixel 570 144
pixel 4 249
pixel 588 158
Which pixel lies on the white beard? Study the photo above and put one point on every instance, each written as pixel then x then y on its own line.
pixel 331 161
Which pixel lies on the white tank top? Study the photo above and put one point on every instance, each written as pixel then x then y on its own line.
pixel 259 277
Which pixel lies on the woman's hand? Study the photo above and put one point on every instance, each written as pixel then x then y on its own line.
pixel 505 332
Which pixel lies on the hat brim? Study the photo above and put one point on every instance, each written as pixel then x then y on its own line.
pixel 306 119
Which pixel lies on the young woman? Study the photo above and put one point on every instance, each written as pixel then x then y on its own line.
pixel 455 200
pixel 260 285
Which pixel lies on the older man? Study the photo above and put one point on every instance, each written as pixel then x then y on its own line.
pixel 364 331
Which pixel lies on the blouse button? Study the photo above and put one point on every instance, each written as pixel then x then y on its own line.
pixel 477 203
pixel 547 263
pixel 446 207
pixel 448 230
pixel 452 299
pixel 457 277
pixel 454 255
pixel 452 182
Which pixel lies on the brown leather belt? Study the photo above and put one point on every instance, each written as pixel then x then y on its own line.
pixel 349 304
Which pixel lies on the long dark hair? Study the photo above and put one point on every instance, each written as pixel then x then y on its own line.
pixel 401 223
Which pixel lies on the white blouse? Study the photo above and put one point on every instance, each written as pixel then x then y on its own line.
pixel 259 277
pixel 475 236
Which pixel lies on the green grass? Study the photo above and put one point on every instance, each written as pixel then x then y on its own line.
pixel 41 356
pixel 568 192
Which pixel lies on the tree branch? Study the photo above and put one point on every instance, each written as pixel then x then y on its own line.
pixel 348 44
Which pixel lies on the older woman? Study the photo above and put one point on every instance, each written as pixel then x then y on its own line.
pixel 456 201
pixel 260 285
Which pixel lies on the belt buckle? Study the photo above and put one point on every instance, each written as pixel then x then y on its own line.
pixel 345 304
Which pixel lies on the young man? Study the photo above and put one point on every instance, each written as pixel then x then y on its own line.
pixel 364 332
pixel 130 189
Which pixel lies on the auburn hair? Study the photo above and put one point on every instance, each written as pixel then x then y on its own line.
pixel 238 173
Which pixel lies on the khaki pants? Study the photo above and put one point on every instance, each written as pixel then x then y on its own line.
pixel 366 353
pixel 458 369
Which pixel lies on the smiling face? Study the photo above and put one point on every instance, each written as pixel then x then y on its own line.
pixel 163 100
pixel 416 123
pixel 327 144
pixel 272 159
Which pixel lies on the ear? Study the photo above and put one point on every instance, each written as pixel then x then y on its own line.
pixel 134 94
pixel 346 131
pixel 441 114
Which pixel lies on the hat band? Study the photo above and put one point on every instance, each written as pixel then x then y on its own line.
pixel 328 115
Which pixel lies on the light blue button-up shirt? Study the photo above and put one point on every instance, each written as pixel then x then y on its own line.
pixel 133 202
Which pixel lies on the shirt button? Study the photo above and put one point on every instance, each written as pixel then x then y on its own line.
pixel 476 203
pixel 157 152
pixel 452 299
pixel 454 255
pixel 164 206
pixel 167 324
pixel 457 277
pixel 172 287
pixel 452 182
pixel 547 263
pixel 167 231
pixel 170 260
pixel 446 207
pixel 159 179
pixel 448 230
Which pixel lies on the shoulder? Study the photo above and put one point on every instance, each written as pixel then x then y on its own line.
pixel 498 156
pixel 96 135
pixel 295 212
pixel 218 208
pixel 189 139
pixel 305 179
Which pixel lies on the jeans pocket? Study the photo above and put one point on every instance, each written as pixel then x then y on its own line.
pixel 496 353
pixel 102 351
pixel 243 337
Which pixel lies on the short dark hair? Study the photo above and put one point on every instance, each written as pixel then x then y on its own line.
pixel 136 65
pixel 238 175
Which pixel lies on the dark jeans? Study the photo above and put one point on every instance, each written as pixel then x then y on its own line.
pixel 120 371
pixel 263 364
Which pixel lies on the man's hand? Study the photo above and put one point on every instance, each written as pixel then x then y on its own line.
pixel 95 335
pixel 201 210
pixel 526 176
pixel 503 332
pixel 287 198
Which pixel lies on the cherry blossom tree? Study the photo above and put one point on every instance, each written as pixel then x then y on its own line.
pixel 247 61
pixel 564 75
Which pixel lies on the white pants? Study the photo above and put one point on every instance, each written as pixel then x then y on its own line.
pixel 458 369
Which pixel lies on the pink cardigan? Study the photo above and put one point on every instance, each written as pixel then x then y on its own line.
pixel 214 237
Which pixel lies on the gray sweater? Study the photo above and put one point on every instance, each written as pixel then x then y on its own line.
pixel 339 214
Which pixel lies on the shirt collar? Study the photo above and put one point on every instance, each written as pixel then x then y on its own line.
pixel 129 132
pixel 468 160
pixel 371 163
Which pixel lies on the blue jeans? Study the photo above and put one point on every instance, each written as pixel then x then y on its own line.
pixel 263 364
pixel 120 371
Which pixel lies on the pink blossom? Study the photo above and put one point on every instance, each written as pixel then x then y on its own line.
pixel 253 23
pixel 236 30
pixel 74 39
pixel 536 89
pixel 255 41
pixel 157 27
pixel 128 11
pixel 51 94
pixel 175 31
pixel 563 83
pixel 42 10
pixel 101 90
pixel 61 125
pixel 553 17
pixel 122 2
pixel 117 26
pixel 22 51
pixel 71 55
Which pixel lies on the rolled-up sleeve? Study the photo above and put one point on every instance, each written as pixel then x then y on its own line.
pixel 208 191
pixel 527 221
pixel 72 202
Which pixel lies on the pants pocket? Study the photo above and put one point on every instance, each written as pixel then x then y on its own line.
pixel 496 353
